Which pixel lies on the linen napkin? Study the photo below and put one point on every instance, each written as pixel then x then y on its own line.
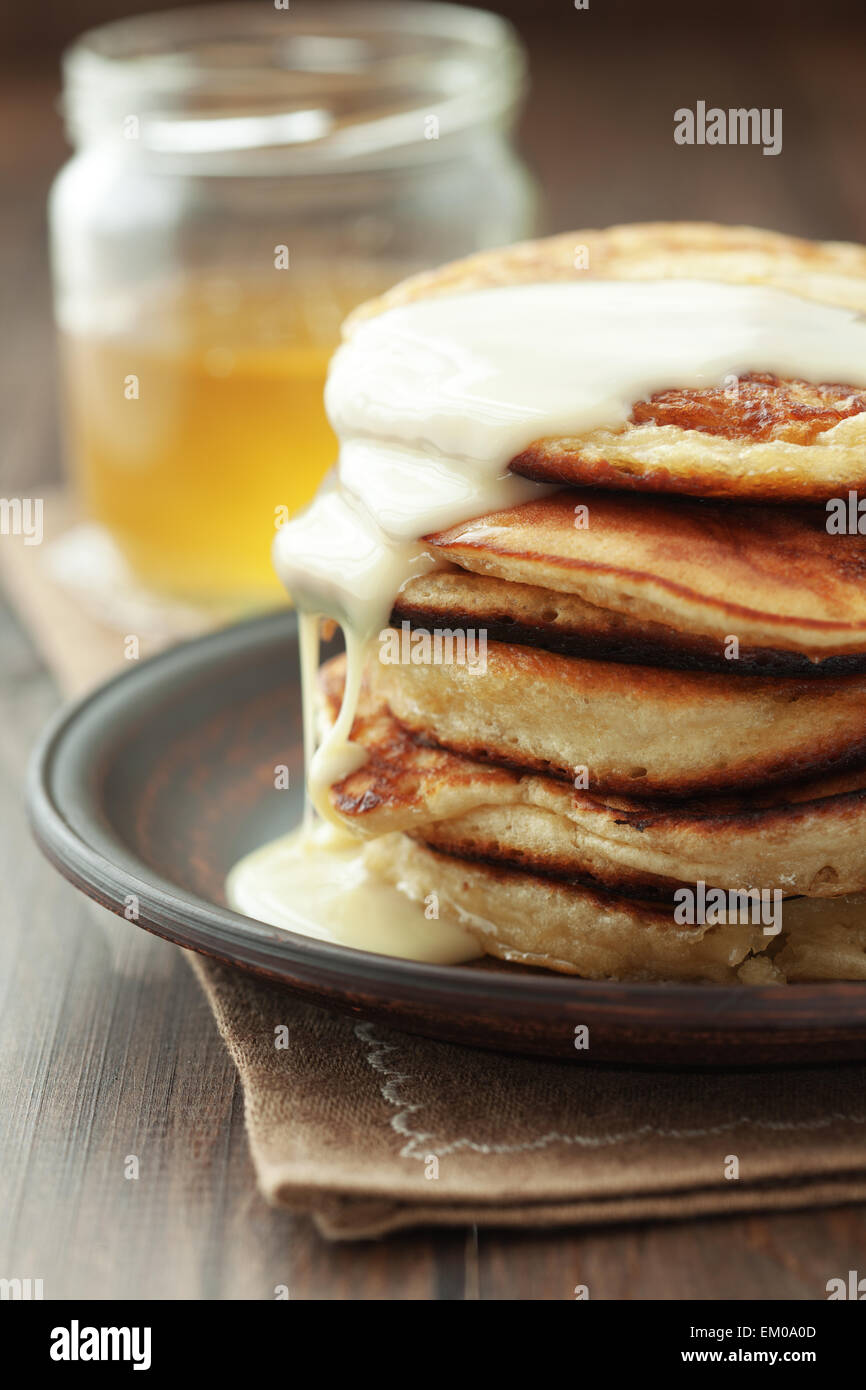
pixel 372 1131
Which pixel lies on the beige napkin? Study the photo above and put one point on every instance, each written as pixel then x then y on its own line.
pixel 371 1131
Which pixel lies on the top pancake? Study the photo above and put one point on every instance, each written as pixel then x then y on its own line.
pixel 772 439
pixel 774 578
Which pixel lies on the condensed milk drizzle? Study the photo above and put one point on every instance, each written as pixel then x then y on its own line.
pixel 431 400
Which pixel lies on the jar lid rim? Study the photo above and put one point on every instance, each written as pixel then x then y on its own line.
pixel 330 87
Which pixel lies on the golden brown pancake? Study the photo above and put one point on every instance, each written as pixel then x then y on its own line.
pixel 774 439
pixel 772 577
pixel 452 598
pixel 534 921
pixel 636 729
pixel 806 838
pixel 520 917
pixel 796 463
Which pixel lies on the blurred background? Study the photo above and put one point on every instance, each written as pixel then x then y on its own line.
pixel 234 192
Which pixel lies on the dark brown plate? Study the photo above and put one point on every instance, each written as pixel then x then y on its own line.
pixel 158 782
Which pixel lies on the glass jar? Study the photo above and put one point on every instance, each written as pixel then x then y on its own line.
pixel 242 178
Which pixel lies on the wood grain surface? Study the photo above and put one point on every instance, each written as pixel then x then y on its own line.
pixel 106 1045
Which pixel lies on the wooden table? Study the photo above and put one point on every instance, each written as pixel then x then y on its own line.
pixel 106 1045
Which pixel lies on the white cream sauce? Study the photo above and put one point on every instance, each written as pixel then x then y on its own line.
pixel 315 882
pixel 431 401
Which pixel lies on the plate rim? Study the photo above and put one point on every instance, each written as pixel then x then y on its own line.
pixel 166 909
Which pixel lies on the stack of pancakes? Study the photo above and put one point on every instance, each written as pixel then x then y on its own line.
pixel 675 682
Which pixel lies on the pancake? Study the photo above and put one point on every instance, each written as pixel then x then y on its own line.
pixel 823 941
pixel 524 613
pixel 637 729
pixel 772 577
pixel 647 457
pixel 773 439
pixel 806 838
pixel 519 917
pixel 833 272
